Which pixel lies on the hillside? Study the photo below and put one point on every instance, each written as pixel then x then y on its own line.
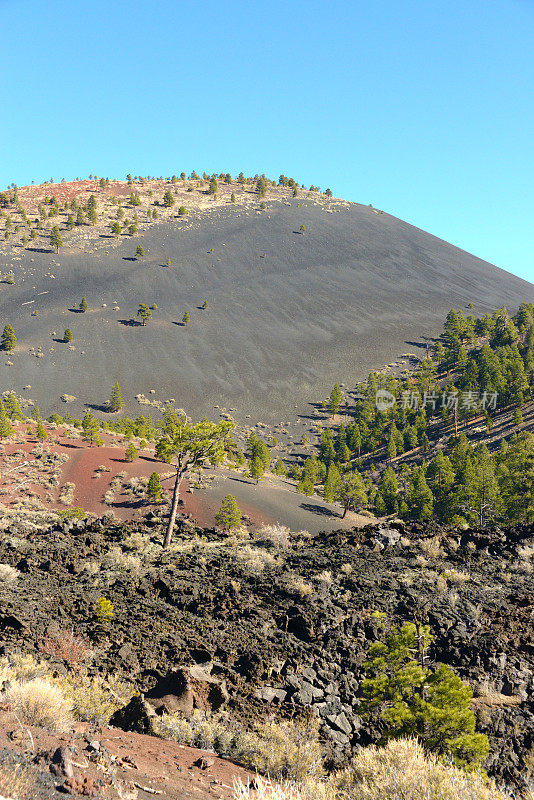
pixel 289 311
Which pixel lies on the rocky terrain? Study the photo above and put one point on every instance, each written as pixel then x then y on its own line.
pixel 280 624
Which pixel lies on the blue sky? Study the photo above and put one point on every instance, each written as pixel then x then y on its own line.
pixel 423 108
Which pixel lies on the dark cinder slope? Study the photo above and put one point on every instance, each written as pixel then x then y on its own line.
pixel 289 313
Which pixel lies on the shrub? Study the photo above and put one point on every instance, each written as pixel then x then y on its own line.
pixel 75 650
pixel 104 609
pixel 94 698
pixel 285 750
pixel 38 702
pixel 402 769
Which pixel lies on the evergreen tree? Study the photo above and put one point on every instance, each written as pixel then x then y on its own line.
pixel 334 401
pixel 232 198
pixel 182 211
pixel 392 448
pixel 12 407
pixel 280 468
pixel 144 313
pixel 139 251
pixel 116 229
pixel 332 483
pixel 413 699
pixel 6 428
pixel 55 238
pixel 205 304
pixel 9 340
pixel 154 488
pixel 67 336
pixel 186 318
pixel 90 427
pixel 229 515
pixel 421 500
pixel 80 217
pixel 256 468
pixel 131 453
pixel 389 488
pixel 351 492
pixel 115 402
pixel 168 199
pixel 516 477
pixel 41 433
pixel 83 305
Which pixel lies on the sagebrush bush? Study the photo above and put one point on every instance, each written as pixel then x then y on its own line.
pixel 94 698
pixel 403 769
pixel 41 703
pixel 286 750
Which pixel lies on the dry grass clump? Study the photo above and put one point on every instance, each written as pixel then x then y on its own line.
pixel 208 733
pixel 279 535
pixel 8 574
pixel 18 667
pixel 119 560
pixel 256 559
pixel 286 750
pixel 66 495
pixel 299 585
pixel 265 789
pixel 402 769
pixel 41 703
pixel 431 547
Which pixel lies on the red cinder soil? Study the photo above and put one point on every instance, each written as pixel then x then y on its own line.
pixel 122 765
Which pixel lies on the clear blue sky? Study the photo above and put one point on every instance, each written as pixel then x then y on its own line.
pixel 423 108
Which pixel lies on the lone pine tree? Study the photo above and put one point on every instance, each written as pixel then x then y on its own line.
pixel 115 402
pixel 412 698
pixel 6 428
pixel 190 446
pixel 9 340
pixel 229 515
pixel 154 488
pixel 144 313
pixel 55 238
pixel 67 336
pixel 83 305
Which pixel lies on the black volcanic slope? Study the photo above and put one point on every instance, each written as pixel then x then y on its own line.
pixel 289 313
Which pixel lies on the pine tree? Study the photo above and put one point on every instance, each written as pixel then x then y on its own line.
pixel 115 402
pixel 67 336
pixel 389 488
pixel 186 318
pixel 90 427
pixel 256 468
pixel 80 217
pixel 116 229
pixel 139 251
pixel 205 304
pixel 55 238
pixel 9 340
pixel 131 453
pixel 332 483
pixel 12 407
pixel 41 433
pixel 412 699
pixel 83 305
pixel 229 515
pixel 145 313
pixel 154 488
pixel 421 500
pixel 6 428
pixel 334 401
pixel 168 199
pixel 351 492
